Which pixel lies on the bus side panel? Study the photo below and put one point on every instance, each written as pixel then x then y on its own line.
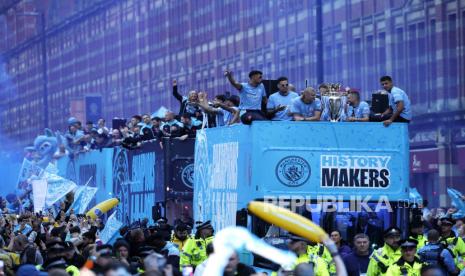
pixel 222 177
pixel 331 159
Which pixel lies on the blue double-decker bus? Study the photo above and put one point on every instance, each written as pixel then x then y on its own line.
pixel 343 176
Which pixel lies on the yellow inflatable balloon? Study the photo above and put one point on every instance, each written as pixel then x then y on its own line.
pixel 102 208
pixel 288 220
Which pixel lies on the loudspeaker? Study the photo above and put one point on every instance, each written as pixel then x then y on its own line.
pixel 156 212
pixel 117 123
pixel 271 86
pixel 379 102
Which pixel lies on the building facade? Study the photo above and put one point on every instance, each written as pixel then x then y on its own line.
pixel 129 51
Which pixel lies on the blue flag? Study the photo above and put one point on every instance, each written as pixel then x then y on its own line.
pixel 112 227
pixel 82 198
pixel 57 187
pixel 415 196
pixel 457 199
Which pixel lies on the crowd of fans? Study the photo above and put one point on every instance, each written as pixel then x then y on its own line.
pixel 33 244
pixel 195 111
pixel 69 244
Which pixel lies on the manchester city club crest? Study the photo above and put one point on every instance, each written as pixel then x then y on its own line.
pixel 293 171
pixel 187 175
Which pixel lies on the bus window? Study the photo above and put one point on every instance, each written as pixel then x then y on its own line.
pixel 347 221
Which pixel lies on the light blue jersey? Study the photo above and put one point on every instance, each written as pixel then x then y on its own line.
pixel 25 231
pixel 396 95
pixel 251 97
pixel 277 99
pixel 219 116
pixel 228 116
pixel 306 110
pixel 360 111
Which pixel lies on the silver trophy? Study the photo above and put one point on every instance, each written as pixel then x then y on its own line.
pixel 333 101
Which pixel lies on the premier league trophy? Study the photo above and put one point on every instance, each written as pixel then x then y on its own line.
pixel 333 102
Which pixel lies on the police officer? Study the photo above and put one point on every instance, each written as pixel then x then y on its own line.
pixel 385 256
pixel 299 246
pixel 416 233
pixel 318 249
pixel 455 244
pixel 195 249
pixel 408 264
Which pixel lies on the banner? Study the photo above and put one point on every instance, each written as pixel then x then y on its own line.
pixel 112 227
pixel 138 180
pixel 135 177
pixel 28 169
pixel 39 193
pixel 57 188
pixel 82 197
